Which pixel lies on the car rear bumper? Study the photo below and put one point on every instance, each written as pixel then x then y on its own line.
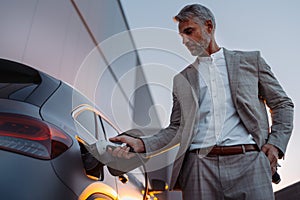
pixel 27 178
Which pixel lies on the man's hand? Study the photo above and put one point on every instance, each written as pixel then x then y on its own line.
pixel 272 153
pixel 123 152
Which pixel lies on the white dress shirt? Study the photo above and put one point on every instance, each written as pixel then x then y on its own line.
pixel 219 123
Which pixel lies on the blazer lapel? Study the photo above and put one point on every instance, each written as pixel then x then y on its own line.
pixel 232 62
pixel 193 78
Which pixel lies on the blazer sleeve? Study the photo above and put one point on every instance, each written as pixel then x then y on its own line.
pixel 281 106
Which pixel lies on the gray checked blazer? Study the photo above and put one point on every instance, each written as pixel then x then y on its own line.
pixel 253 86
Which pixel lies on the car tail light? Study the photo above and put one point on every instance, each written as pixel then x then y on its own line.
pixel 32 137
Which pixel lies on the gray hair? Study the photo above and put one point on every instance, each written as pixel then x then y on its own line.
pixel 195 12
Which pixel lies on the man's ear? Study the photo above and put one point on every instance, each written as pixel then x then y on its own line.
pixel 210 26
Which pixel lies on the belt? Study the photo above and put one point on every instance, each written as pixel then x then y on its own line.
pixel 226 150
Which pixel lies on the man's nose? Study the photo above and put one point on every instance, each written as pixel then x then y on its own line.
pixel 185 39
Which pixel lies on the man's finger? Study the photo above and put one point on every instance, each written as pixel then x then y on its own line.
pixel 116 151
pixel 110 150
pixel 273 170
pixel 129 155
pixel 273 161
pixel 116 139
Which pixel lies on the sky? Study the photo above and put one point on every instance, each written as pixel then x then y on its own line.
pixel 270 26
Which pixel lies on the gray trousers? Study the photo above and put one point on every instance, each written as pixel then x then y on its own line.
pixel 241 176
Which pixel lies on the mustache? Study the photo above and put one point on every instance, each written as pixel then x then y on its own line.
pixel 194 45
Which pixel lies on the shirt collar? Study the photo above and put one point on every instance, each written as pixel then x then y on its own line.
pixel 218 55
pixel 213 57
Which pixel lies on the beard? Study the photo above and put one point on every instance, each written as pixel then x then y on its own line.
pixel 199 48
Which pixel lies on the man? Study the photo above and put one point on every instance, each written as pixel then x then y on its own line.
pixel 219 117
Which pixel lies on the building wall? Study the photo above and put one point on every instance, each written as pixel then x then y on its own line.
pixel 87 45
pixel 84 43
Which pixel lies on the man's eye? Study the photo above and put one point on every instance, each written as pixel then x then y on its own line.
pixel 188 32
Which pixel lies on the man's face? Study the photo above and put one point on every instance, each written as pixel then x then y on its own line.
pixel 195 37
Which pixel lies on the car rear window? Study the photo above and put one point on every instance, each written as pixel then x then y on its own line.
pixel 13 72
pixel 17 81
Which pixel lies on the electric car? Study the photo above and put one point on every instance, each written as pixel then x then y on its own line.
pixel 41 155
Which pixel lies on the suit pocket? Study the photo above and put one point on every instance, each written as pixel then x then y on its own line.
pixel 266 163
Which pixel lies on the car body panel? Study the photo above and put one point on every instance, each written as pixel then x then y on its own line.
pixel 18 107
pixel 52 101
pixel 19 182
pixel 44 90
